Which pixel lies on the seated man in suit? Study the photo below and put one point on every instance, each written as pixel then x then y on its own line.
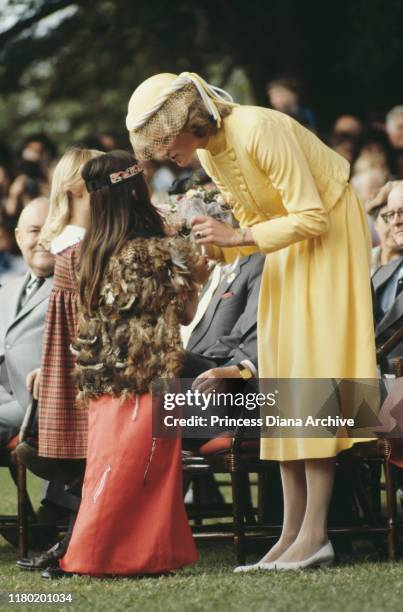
pixel 388 280
pixel 388 291
pixel 23 304
pixel 221 341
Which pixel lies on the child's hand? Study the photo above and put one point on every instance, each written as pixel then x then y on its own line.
pixel 33 382
pixel 201 270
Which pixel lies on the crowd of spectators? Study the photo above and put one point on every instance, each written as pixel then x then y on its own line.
pixel 374 150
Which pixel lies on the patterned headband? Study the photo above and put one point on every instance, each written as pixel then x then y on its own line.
pixel 111 180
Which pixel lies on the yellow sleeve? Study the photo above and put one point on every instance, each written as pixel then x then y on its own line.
pixel 244 218
pixel 229 254
pixel 277 152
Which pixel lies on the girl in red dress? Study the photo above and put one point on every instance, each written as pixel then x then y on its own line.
pixel 136 287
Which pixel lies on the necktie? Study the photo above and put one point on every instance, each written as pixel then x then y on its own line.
pixel 30 289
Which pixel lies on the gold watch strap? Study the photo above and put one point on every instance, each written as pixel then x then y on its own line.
pixel 245 372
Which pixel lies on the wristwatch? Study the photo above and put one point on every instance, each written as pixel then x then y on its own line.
pixel 245 372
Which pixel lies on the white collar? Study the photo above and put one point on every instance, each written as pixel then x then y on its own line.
pixel 71 235
pixel 32 276
pixel 231 267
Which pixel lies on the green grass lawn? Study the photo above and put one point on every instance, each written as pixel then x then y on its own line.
pixel 359 583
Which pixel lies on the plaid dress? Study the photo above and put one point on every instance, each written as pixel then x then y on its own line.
pixel 63 426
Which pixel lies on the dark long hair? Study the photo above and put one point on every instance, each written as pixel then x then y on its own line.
pixel 117 214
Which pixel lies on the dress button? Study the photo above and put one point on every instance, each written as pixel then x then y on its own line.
pixel 232 155
pixel 241 345
pixel 8 346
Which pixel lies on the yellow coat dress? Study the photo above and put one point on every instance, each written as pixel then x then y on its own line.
pixel 315 309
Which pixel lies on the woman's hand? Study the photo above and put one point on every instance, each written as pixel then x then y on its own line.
pixel 33 382
pixel 208 230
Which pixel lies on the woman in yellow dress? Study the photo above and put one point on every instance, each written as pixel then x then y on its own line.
pixel 291 196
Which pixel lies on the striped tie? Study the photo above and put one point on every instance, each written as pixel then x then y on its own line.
pixel 30 289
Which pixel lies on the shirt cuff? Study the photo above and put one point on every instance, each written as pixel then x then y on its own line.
pixel 248 364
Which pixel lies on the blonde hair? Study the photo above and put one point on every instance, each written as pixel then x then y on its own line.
pixel 66 176
pixel 199 121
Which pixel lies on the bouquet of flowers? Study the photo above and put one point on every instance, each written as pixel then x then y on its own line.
pixel 179 210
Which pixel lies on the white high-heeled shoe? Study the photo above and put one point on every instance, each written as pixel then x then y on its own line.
pixel 255 566
pixel 322 558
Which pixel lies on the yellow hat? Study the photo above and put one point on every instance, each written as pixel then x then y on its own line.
pixel 148 98
pixel 144 97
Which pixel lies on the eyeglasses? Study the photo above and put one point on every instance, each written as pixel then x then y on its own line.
pixel 389 216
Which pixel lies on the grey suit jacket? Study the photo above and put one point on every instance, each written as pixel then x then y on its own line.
pixel 21 336
pixel 391 320
pixel 228 330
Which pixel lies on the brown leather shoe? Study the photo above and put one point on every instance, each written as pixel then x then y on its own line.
pixel 50 558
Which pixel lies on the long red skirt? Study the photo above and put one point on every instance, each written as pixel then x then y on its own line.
pixel 132 518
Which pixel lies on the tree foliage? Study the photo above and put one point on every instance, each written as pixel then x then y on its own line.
pixel 77 74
